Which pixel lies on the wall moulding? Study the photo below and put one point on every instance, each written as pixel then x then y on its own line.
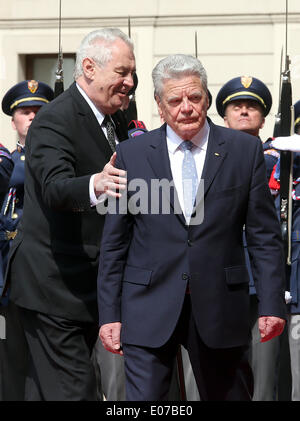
pixel 159 21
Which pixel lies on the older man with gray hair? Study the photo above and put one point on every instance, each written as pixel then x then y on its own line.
pixel 170 278
pixel 53 263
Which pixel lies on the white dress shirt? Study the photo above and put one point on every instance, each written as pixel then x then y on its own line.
pixel 100 117
pixel 176 156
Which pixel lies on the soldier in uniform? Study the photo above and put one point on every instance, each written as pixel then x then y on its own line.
pixel 292 143
pixel 21 103
pixel 243 103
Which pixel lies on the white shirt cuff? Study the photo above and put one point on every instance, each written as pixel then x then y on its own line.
pixel 93 199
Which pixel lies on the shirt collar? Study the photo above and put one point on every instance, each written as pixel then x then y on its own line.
pixel 100 116
pixel 199 140
pixel 20 146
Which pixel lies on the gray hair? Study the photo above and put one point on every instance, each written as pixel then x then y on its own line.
pixel 100 52
pixel 175 67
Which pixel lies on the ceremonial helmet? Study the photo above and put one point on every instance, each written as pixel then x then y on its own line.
pixel 244 87
pixel 26 94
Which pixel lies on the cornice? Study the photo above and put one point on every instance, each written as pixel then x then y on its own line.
pixel 153 21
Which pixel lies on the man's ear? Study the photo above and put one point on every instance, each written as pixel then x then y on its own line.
pixel 262 123
pixel 88 67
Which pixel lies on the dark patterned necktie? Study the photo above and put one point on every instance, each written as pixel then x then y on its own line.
pixel 110 132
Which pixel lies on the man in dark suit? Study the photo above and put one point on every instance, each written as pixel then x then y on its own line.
pixel 168 276
pixel 54 259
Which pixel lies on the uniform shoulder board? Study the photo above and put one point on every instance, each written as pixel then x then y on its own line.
pixel 5 152
pixel 136 132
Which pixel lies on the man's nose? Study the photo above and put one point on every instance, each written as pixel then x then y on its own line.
pixel 186 106
pixel 32 115
pixel 129 81
pixel 244 109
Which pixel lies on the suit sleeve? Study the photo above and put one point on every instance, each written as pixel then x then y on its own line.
pixel 264 242
pixel 51 157
pixel 113 252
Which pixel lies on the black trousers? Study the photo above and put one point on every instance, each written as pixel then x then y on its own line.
pixel 221 374
pixel 13 355
pixel 60 366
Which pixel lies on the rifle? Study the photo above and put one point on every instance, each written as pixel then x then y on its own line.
pixel 59 78
pixel 276 130
pixel 285 128
pixel 131 112
pixel 196 55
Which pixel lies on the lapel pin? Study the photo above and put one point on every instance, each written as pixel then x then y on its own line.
pixel 217 154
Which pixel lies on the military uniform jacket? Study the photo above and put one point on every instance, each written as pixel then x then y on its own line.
pixel 6 168
pixel 12 208
pixel 294 273
pixel 54 259
pixel 13 203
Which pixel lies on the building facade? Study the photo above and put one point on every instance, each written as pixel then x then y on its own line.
pixel 230 38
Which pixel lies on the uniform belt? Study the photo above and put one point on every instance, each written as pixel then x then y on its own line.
pixel 7 235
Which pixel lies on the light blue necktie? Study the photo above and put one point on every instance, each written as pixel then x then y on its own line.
pixel 189 177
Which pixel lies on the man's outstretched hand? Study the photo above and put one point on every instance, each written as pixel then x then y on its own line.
pixel 111 180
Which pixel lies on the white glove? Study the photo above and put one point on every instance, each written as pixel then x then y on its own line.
pixel 287 143
pixel 288 297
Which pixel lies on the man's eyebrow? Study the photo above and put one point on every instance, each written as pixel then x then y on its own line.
pixel 174 97
pixel 121 67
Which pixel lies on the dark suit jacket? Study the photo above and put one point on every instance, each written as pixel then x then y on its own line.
pixel 147 260
pixel 54 258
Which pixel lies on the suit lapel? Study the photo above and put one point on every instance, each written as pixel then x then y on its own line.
pixel 215 155
pixel 158 155
pixel 158 158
